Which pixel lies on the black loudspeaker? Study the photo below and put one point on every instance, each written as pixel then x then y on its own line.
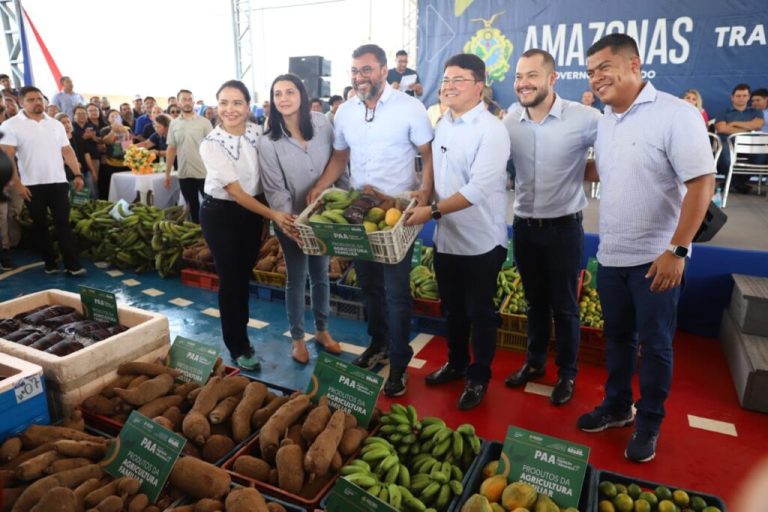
pixel 316 87
pixel 714 219
pixel 309 66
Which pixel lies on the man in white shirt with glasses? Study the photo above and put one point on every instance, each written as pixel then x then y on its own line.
pixel 379 132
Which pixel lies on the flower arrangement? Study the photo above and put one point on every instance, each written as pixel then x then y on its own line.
pixel 139 160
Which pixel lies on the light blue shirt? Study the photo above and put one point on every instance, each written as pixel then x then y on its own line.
pixel 644 157
pixel 383 151
pixel 67 102
pixel 550 158
pixel 470 156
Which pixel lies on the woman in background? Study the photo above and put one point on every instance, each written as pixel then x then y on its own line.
pixel 693 97
pixel 293 152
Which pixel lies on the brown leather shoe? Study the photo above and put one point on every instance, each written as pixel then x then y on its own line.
pixel 299 352
pixel 330 345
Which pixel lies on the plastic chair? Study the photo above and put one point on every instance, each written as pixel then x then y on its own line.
pixel 717 146
pixel 742 146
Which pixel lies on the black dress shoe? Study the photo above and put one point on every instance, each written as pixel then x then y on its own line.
pixel 445 373
pixel 562 392
pixel 523 375
pixel 472 396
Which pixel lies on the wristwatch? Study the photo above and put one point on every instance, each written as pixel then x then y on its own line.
pixel 436 214
pixel 678 250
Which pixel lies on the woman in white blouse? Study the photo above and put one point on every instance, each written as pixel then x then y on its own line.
pixel 232 217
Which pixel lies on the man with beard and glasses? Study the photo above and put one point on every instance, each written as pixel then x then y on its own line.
pixel 41 146
pixel 380 131
pixel 184 137
pixel 550 137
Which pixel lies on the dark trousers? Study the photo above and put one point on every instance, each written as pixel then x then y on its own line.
pixel 192 189
pixel 548 256
pixel 387 299
pixel 467 286
pixel 637 317
pixel 105 177
pixel 234 236
pixel 53 197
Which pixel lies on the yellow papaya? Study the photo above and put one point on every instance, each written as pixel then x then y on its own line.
pixel 392 216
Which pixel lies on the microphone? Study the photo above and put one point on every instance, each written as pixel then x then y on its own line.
pixel 443 149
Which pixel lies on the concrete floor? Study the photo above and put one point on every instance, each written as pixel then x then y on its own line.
pixel 747 226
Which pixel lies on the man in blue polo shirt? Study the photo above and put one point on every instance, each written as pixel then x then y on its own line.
pixel 656 181
pixel 379 133
pixel 738 118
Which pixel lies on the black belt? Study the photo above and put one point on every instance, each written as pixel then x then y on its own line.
pixel 556 221
pixel 213 200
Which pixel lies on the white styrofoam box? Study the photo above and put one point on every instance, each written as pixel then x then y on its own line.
pixel 22 396
pixel 147 332
pixel 63 404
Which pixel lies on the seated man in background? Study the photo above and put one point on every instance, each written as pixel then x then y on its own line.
pixel 738 118
pixel 760 103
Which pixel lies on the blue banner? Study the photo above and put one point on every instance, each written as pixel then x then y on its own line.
pixel 708 45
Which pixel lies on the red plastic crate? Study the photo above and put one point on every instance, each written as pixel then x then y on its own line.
pixel 200 279
pixel 113 427
pixel 308 502
pixel 592 346
pixel 426 307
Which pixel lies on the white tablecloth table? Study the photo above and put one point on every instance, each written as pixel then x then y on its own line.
pixel 124 185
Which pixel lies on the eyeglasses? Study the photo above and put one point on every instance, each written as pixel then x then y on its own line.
pixel 363 71
pixel 457 81
pixel 174 112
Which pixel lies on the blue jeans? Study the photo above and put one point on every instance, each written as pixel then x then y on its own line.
pixel 298 265
pixel 548 256
pixel 636 318
pixel 387 300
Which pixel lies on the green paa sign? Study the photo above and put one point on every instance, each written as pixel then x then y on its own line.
pixel 347 240
pixel 552 466
pixel 416 256
pixel 99 305
pixel 510 260
pixel 194 359
pixel 348 387
pixel 347 497
pixel 590 276
pixel 144 451
pixel 79 198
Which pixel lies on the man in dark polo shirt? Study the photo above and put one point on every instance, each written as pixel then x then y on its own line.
pixel 396 77
pixel 738 118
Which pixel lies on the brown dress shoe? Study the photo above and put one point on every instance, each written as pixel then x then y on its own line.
pixel 330 345
pixel 299 352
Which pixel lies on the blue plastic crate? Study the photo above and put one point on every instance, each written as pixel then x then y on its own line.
pixel 603 475
pixel 492 451
pixel 28 406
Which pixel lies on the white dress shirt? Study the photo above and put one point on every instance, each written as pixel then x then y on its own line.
pixel 550 158
pixel 470 156
pixel 383 150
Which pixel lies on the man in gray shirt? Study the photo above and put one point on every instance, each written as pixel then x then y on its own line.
pixel 67 99
pixel 550 137
pixel 656 179
pixel 184 137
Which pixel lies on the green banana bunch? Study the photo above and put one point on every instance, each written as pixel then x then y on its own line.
pixel 423 283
